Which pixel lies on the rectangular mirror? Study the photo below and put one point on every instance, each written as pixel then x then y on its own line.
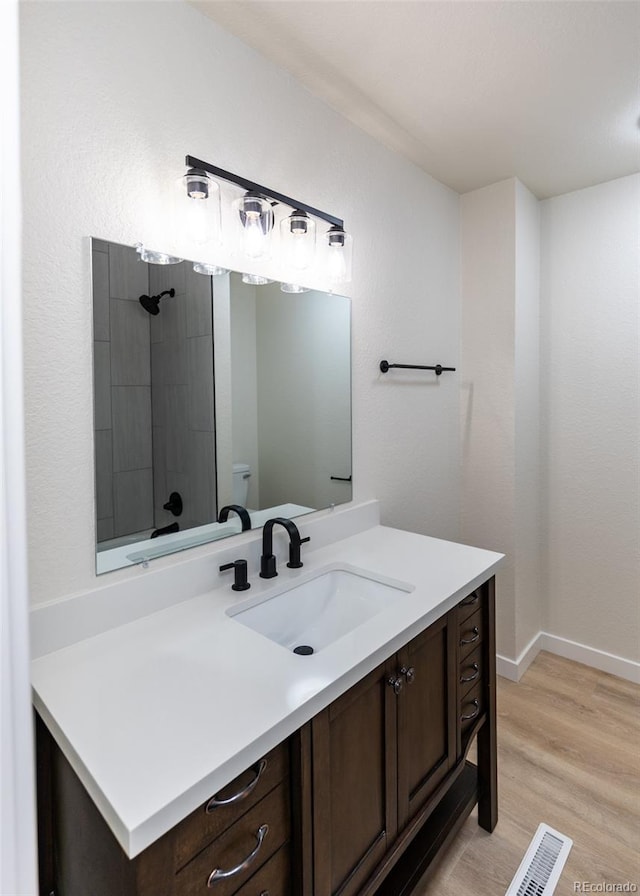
pixel 211 392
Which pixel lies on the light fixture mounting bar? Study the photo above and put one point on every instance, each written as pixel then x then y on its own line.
pixel 252 187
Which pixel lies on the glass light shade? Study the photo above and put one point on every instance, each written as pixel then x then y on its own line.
pixel 198 207
pixel 256 218
pixel 338 255
pixel 154 257
pixel 293 287
pixel 298 240
pixel 255 279
pixel 210 270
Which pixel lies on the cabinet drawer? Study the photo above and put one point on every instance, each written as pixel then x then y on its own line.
pixel 470 671
pixel 469 604
pixel 470 634
pixel 229 804
pixel 273 879
pixel 242 849
pixel 471 707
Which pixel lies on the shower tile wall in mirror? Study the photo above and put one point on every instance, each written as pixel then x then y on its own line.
pixel 209 392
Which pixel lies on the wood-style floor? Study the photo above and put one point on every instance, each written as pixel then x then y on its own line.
pixel 569 756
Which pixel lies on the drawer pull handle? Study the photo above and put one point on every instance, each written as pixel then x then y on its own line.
pixel 215 802
pixel 469 601
pixel 475 631
pixel 219 874
pixel 476 672
pixel 472 715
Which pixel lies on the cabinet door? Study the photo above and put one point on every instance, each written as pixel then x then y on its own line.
pixel 426 715
pixel 354 784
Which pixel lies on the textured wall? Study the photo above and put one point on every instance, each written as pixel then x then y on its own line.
pixel 590 386
pixel 122 92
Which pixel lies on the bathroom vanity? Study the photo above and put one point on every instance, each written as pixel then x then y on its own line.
pixel 187 753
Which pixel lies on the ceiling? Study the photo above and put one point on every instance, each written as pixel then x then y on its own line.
pixel 471 92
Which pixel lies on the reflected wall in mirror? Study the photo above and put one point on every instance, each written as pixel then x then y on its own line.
pixel 208 392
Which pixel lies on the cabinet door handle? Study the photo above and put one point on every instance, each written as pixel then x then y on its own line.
pixel 396 684
pixel 475 631
pixel 215 802
pixel 470 601
pixel 476 672
pixel 472 715
pixel 409 674
pixel 219 874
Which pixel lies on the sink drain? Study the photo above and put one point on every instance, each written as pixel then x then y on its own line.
pixel 303 650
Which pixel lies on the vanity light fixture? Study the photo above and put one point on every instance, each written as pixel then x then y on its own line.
pixel 154 257
pixel 209 270
pixel 255 212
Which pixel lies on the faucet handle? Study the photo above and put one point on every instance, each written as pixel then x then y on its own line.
pixel 239 567
pixel 294 553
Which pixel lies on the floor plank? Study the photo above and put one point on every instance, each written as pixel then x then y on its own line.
pixel 569 756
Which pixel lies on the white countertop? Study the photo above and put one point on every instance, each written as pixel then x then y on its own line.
pixel 158 714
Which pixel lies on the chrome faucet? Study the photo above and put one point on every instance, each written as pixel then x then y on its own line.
pixel 268 560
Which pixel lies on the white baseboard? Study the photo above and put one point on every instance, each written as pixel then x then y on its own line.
pixel 571 650
pixel 590 656
pixel 515 669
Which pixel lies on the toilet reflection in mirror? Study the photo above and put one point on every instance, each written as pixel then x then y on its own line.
pixel 209 391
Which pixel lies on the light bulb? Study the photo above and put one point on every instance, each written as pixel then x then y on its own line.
pixel 254 237
pixel 338 258
pixel 198 220
pixel 336 264
pixel 298 235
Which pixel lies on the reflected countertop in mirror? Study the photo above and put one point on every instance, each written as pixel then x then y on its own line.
pixel 210 392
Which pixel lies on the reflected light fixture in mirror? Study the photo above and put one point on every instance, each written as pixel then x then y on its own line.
pixel 293 288
pixel 154 257
pixel 209 270
pixel 255 280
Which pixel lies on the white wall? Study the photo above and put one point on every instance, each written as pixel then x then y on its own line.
pixel 487 386
pixel 527 532
pixel 122 91
pixel 591 379
pixel 500 398
pixel 18 874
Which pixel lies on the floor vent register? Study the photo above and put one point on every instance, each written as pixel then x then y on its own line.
pixel 542 865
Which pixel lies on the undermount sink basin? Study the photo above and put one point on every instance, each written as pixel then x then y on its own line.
pixel 318 611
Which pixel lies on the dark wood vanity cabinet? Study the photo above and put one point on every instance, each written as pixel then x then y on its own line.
pixel 360 802
pixel 238 843
pixel 391 785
